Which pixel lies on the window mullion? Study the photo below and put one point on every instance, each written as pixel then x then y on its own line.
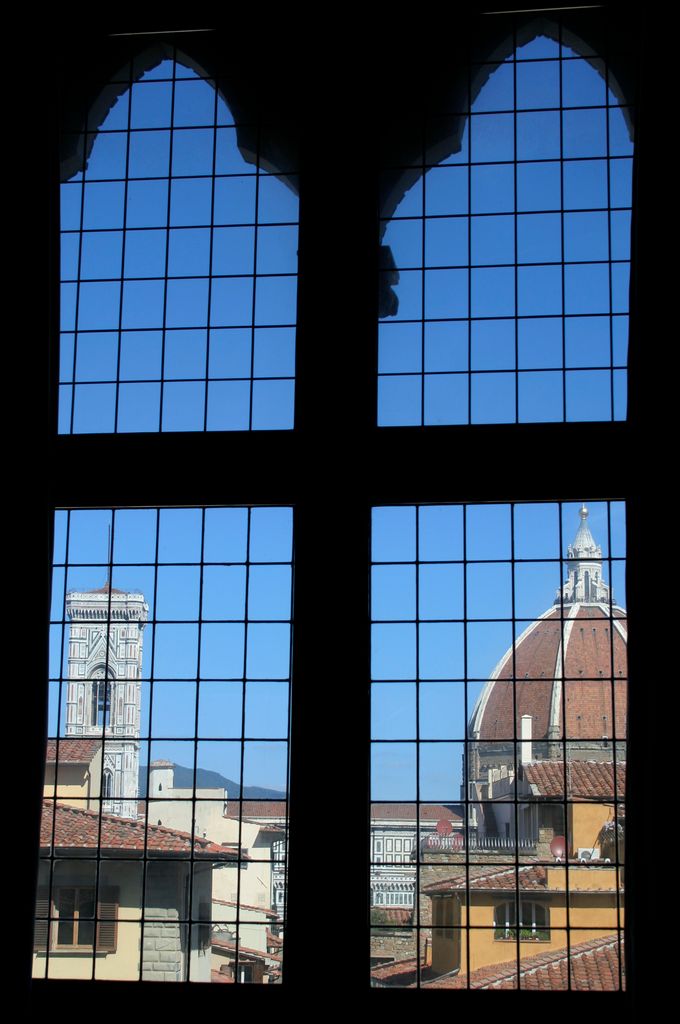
pixel 337 318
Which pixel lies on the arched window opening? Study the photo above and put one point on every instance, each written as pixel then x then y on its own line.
pixel 465 806
pixel 508 257
pixel 107 784
pixel 100 700
pixel 178 264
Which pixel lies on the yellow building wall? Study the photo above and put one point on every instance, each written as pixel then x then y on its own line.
pixel 76 784
pixel 585 824
pixel 121 965
pixel 591 914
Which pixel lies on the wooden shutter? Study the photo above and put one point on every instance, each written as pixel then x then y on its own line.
pixel 107 919
pixel 42 910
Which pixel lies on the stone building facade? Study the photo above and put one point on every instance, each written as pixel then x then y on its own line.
pixel 104 688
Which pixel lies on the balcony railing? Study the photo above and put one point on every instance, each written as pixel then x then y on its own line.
pixel 457 841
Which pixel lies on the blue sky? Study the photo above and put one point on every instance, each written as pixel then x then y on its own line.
pixel 405 647
pixel 572 165
pixel 212 318
pixel 178 592
pixel 147 205
pixel 231 589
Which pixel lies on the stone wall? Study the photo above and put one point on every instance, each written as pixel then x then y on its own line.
pixel 165 939
pixel 397 944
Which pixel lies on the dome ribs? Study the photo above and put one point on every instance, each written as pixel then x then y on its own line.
pixel 574 655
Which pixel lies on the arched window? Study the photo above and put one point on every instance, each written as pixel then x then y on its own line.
pixel 509 254
pixel 357 467
pixel 107 784
pixel 178 264
pixel 100 699
pixel 506 242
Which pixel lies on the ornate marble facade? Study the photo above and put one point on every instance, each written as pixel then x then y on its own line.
pixel 104 688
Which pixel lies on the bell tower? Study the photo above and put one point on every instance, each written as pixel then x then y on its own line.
pixel 104 688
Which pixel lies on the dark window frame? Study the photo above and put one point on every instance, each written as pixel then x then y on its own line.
pixel 337 464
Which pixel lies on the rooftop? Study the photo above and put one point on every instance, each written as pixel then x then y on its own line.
pixel 591 966
pixel 531 877
pixel 71 828
pixel 586 780
pixel 257 809
pixel 411 811
pixel 72 751
pixel 580 656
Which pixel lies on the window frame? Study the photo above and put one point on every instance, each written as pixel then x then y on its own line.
pixel 386 465
pixel 109 896
pixel 508 909
pixel 58 896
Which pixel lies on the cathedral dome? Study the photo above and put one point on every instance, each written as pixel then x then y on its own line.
pixel 567 671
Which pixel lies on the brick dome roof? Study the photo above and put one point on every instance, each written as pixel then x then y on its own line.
pixel 575 654
pixel 581 652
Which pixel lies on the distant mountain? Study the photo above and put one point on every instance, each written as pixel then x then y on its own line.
pixel 207 779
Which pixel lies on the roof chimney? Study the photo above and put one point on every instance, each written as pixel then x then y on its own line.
pixel 525 753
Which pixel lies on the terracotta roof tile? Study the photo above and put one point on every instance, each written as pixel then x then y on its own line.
pixel 524 683
pixel 406 968
pixel 586 780
pixel 410 811
pixel 257 809
pixel 531 877
pixel 73 828
pixel 593 966
pixel 72 751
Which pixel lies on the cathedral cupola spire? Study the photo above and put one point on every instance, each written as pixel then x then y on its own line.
pixel 584 584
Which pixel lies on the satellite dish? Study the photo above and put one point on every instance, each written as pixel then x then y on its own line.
pixel 558 847
pixel 444 827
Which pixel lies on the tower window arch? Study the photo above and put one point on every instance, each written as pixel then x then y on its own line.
pixel 100 698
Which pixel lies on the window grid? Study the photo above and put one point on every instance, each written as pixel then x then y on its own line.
pixel 235 721
pixel 456 492
pixel 581 319
pixel 219 355
pixel 541 791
